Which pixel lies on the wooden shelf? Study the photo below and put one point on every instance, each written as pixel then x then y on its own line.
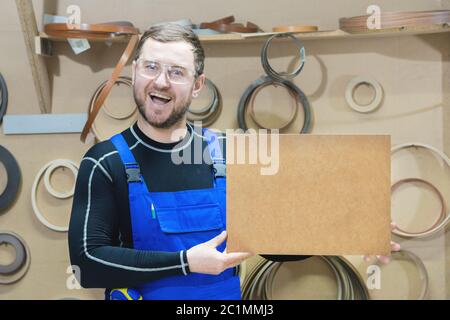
pixel 340 34
pixel 317 35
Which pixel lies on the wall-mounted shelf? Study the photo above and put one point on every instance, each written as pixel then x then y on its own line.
pixel 318 35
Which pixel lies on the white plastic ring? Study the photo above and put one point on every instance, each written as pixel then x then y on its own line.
pixel 353 84
pixel 444 223
pixel 57 164
pixel 52 164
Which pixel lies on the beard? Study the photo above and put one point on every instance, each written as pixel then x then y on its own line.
pixel 178 112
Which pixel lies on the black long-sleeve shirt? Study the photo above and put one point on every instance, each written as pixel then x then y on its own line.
pixel 100 232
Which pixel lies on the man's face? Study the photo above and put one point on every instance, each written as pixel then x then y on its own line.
pixel 160 102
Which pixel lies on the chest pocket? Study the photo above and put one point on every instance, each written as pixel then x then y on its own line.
pixel 184 219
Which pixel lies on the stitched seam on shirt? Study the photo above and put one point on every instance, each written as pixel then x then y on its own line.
pixel 158 149
pixel 204 138
pixel 183 265
pixel 101 167
pixel 88 255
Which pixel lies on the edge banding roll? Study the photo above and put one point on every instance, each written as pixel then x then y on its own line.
pixel 207 115
pixel 408 255
pixel 121 80
pixel 275 84
pixel 442 225
pixel 20 258
pixel 46 171
pixel 270 278
pixel 258 283
pixel 3 97
pixel 300 96
pixel 400 232
pixel 282 76
pixel 351 87
pixel 276 78
pixel 13 173
pixel 15 271
pixel 104 31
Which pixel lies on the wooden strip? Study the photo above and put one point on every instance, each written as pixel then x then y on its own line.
pixel 400 20
pixel 37 63
pixel 295 29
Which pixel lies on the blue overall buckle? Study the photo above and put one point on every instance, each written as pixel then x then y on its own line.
pixel 133 172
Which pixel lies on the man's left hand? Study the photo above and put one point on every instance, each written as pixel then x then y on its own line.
pixel 394 248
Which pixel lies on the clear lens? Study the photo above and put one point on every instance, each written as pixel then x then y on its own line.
pixel 175 74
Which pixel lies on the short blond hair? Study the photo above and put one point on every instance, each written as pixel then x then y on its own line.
pixel 168 32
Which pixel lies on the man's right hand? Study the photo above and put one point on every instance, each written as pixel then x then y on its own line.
pixel 205 258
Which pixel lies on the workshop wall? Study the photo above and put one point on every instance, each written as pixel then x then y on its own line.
pixel 414 72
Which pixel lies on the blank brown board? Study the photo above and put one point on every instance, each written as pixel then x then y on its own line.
pixel 330 196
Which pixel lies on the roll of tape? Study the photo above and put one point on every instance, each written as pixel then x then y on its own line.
pixel 20 254
pixel 353 84
pixel 13 175
pixel 43 171
pixel 3 97
pixel 19 267
pixel 442 225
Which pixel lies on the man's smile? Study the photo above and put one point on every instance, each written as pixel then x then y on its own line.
pixel 159 98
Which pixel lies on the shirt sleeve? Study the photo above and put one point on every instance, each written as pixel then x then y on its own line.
pixel 94 239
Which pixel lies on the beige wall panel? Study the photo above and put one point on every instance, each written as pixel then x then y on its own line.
pixel 413 71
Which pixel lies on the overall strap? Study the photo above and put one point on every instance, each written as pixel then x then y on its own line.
pixel 215 152
pixel 131 166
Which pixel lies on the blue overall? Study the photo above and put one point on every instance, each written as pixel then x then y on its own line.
pixel 174 221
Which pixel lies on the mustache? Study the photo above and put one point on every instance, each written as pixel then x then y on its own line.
pixel 151 89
